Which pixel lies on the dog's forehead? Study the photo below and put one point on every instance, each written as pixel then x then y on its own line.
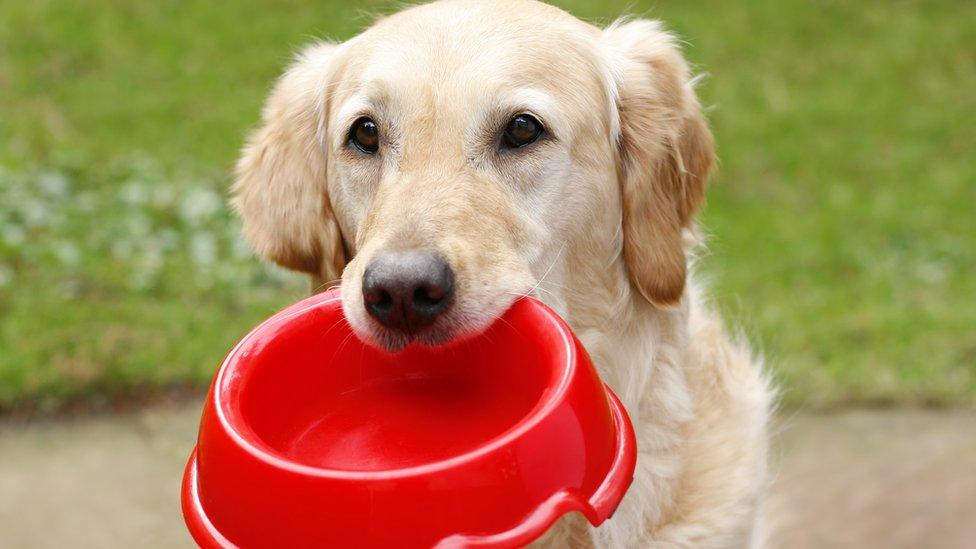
pixel 460 46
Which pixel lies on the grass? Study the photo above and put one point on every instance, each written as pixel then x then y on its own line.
pixel 843 223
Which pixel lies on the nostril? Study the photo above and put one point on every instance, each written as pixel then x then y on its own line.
pixel 426 296
pixel 379 300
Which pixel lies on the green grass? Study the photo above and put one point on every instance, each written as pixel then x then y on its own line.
pixel 843 215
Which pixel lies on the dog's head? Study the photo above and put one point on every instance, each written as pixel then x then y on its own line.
pixel 443 160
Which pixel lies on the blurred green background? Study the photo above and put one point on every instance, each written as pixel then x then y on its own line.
pixel 843 215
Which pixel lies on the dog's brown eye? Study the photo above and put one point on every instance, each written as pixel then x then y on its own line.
pixel 521 131
pixel 365 135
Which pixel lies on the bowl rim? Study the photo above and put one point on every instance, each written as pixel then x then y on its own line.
pixel 595 507
pixel 269 457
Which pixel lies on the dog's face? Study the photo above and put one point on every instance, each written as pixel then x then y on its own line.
pixel 446 158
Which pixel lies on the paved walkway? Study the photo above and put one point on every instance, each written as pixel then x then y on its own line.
pixel 859 479
pixel 892 479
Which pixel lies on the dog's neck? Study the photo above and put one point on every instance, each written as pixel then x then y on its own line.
pixel 640 352
pixel 637 348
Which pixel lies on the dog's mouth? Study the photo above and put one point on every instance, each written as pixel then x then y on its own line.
pixel 394 340
pixel 458 325
pixel 462 321
pixel 397 298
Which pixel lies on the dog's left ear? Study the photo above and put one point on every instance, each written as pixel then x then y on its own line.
pixel 280 190
pixel 666 152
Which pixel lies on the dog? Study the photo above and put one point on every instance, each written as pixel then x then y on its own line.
pixel 458 155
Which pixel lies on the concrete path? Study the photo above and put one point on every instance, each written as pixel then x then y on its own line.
pixel 892 479
pixel 858 479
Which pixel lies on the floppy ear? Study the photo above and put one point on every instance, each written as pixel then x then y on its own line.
pixel 280 189
pixel 665 152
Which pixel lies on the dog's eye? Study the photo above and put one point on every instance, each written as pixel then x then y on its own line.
pixel 365 135
pixel 522 130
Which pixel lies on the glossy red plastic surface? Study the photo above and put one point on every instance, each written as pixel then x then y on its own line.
pixel 309 438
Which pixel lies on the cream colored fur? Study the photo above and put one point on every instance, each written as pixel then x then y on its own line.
pixel 596 219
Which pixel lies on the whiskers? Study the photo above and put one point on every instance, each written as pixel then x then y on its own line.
pixel 538 286
pixel 326 286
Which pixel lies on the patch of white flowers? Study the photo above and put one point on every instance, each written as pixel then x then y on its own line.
pixel 144 231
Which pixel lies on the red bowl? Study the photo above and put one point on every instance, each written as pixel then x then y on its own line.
pixel 311 438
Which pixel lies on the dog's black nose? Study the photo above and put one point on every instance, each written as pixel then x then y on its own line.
pixel 407 291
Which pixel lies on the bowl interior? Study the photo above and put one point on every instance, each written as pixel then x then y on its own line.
pixel 310 392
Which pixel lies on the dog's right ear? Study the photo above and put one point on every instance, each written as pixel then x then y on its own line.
pixel 280 190
pixel 666 155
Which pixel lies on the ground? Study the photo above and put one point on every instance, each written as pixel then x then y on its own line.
pixel 843 238
pixel 886 479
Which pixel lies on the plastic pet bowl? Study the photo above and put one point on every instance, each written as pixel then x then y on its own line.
pixel 311 438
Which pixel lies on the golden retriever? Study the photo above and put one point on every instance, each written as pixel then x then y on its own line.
pixel 460 154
